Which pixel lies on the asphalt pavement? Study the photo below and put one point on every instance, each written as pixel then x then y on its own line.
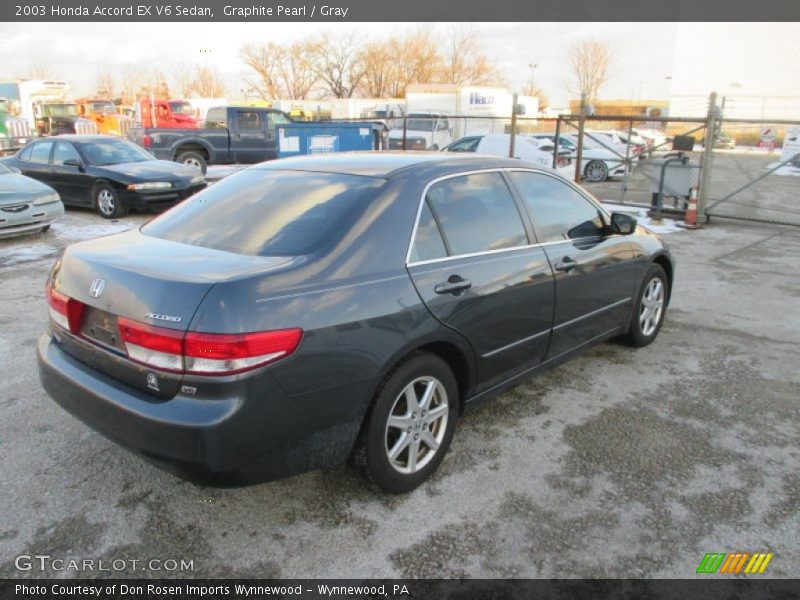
pixel 620 463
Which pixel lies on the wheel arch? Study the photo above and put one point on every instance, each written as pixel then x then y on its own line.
pixel 192 146
pixel 455 354
pixel 665 263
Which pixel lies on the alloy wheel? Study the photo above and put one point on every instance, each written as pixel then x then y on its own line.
pixel 105 201
pixel 651 307
pixel 417 424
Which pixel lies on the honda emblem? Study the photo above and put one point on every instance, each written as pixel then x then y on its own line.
pixel 97 287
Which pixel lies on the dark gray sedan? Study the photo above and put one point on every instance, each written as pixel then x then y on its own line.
pixel 25 204
pixel 308 310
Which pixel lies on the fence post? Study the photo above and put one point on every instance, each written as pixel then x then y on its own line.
pixel 708 154
pixel 579 150
pixel 513 125
pixel 405 130
pixel 555 142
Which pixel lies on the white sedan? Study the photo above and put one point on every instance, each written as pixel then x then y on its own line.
pixel 598 163
pixel 526 147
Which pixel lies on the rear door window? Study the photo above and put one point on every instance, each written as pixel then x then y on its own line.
pixel 41 152
pixel 268 212
pixel 428 242
pixel 476 213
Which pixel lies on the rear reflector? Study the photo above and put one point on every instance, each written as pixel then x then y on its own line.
pixel 65 311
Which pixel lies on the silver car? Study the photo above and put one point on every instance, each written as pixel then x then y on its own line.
pixel 26 205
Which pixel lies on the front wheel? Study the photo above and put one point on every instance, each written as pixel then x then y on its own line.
pixel 596 171
pixel 651 302
pixel 410 424
pixel 107 202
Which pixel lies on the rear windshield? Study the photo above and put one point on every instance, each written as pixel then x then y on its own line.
pixel 268 212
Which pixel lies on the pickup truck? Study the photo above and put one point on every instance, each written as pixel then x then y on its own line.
pixel 231 134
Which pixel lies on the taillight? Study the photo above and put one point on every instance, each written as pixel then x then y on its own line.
pixel 205 353
pixel 146 141
pixel 66 312
pixel 155 346
pixel 214 354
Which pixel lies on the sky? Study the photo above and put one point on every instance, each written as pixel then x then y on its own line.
pixel 76 52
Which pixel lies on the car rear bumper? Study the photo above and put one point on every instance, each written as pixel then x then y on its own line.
pixel 235 440
pixel 32 219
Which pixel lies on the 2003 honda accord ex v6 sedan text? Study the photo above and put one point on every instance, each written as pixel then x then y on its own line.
pixel 308 310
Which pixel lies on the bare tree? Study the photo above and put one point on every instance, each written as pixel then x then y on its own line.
pixel 264 61
pixel 464 61
pixel 337 63
pixel 105 84
pixel 182 77
pixel 206 83
pixel 380 70
pixel 589 62
pixel 296 69
pixel 35 70
pixel 417 58
pixel 137 82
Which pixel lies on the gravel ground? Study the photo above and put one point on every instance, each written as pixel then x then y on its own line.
pixel 621 463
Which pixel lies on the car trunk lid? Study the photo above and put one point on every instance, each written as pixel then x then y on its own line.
pixel 147 281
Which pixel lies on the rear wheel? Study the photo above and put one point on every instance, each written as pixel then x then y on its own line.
pixel 651 303
pixel 596 171
pixel 107 202
pixel 410 424
pixel 194 160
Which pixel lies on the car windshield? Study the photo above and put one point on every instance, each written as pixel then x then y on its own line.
pixel 61 110
pixel 181 108
pixel 268 212
pixel 112 152
pixel 107 108
pixel 421 124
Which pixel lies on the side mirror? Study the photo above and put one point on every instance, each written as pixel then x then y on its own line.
pixel 622 223
pixel 73 162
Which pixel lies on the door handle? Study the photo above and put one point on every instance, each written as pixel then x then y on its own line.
pixel 566 265
pixel 454 285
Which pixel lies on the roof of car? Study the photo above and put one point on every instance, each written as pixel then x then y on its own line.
pixel 74 137
pixel 385 164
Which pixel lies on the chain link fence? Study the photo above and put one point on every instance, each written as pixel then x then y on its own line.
pixel 651 162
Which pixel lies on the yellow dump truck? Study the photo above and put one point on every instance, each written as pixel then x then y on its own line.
pixel 107 116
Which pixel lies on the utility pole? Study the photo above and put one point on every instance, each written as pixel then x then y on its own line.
pixel 707 159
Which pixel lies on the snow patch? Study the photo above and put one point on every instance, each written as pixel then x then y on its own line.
pixel 664 226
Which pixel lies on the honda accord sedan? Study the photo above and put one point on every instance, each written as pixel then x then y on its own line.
pixel 106 173
pixel 306 311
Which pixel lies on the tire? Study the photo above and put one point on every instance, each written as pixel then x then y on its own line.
pixel 595 171
pixel 412 425
pixel 46 228
pixel 107 202
pixel 644 326
pixel 194 160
